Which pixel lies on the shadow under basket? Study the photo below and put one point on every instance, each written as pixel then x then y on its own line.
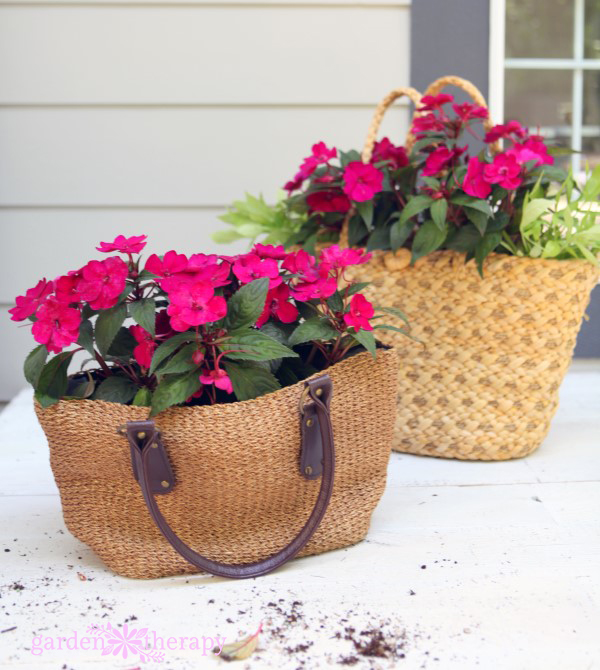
pixel 239 494
pixel 483 385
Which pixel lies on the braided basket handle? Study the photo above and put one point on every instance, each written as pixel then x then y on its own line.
pixel 433 89
pixel 151 468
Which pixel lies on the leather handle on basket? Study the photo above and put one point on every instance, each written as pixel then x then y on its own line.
pixel 153 472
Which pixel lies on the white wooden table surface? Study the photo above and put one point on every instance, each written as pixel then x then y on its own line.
pixel 467 565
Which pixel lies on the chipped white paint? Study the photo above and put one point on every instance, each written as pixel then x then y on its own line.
pixel 511 553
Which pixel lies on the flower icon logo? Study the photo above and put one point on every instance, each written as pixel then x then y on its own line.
pixel 125 642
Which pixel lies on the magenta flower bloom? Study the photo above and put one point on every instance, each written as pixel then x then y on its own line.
pixel 124 245
pixel 336 258
pixel 66 288
pixel 57 325
pixel 144 350
pixel 249 267
pixel 505 130
pixel 302 264
pixel 362 181
pixel 321 287
pixel 531 150
pixel 102 282
pixel 384 150
pixel 278 306
pixel 426 124
pixel 277 253
pixel 505 170
pixel 328 201
pixel 361 310
pixel 431 102
pixel 27 304
pixel 193 304
pixel 320 155
pixel 219 378
pixel 466 111
pixel 474 182
pixel 441 158
pixel 171 264
pixel 294 184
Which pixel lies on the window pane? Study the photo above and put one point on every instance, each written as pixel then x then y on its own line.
pixel 592 28
pixel 591 118
pixel 539 28
pixel 541 99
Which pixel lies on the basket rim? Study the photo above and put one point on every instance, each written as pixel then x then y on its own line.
pixel 228 406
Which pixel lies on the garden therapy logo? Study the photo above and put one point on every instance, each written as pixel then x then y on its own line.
pixel 127 642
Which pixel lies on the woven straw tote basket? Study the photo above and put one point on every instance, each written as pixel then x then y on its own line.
pixel 232 489
pixel 484 383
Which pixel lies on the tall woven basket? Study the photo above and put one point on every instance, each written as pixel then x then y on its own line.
pixel 239 498
pixel 484 383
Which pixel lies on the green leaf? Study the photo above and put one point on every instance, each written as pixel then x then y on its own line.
pixel 86 336
pixel 485 247
pixel 358 287
pixel 143 398
pixel 107 326
pixel 34 364
pixel 394 311
pixel 226 236
pixel 143 312
pixel 439 209
pixel 473 203
pixel 591 189
pixel 552 249
pixel 250 380
pixel 365 209
pixel 45 400
pixel 245 305
pixel 174 390
pixel 414 206
pixel 53 380
pixel 180 362
pixel 387 326
pixel 277 330
pixel 123 345
pixel 533 210
pixel 367 339
pixel 83 389
pixel 169 346
pixel 116 389
pixel 379 238
pixel 466 238
pixel 478 219
pixel 356 231
pixel 428 238
pixel 254 346
pixel 335 302
pixel 399 233
pixel 313 329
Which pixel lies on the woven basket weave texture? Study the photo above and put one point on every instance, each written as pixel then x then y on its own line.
pixel 239 496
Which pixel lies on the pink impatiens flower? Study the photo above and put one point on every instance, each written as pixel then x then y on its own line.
pixel 384 150
pixel 294 184
pixel 320 154
pixel 505 170
pixel 249 267
pixel 27 304
pixel 171 264
pixel 278 253
pixel 193 304
pixel 66 288
pixel 302 264
pixel 505 130
pixel 57 325
pixel 102 282
pixel 441 158
pixel 531 150
pixel 278 306
pixel 336 258
pixel 124 245
pixel 466 111
pixel 431 102
pixel 474 182
pixel 328 201
pixel 219 378
pixel 361 310
pixel 427 123
pixel 144 350
pixel 321 287
pixel 362 181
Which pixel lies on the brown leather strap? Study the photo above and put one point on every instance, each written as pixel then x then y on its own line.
pixel 152 469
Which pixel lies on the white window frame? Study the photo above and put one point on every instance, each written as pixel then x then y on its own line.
pixel 578 64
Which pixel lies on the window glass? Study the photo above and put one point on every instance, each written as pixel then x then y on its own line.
pixel 540 28
pixel 591 118
pixel 592 29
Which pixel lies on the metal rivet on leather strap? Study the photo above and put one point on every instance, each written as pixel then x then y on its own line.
pixel 141 435
pixel 308 470
pixel 154 445
pixel 164 484
pixel 309 422
pixel 319 392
